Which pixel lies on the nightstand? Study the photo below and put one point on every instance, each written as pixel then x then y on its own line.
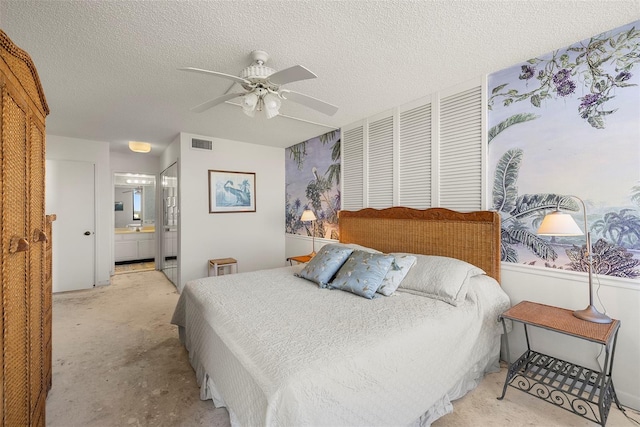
pixel 220 264
pixel 301 259
pixel 583 391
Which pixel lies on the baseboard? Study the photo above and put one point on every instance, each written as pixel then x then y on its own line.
pixel 135 261
pixel 628 399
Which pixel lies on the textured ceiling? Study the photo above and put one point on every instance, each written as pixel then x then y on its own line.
pixel 109 68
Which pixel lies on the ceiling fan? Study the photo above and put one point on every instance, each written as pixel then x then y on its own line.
pixel 263 88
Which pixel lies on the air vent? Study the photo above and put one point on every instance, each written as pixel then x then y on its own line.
pixel 201 144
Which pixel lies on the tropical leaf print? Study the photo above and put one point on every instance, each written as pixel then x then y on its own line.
pixel 513 120
pixel 531 204
pixel 540 247
pixel 505 190
pixel 608 259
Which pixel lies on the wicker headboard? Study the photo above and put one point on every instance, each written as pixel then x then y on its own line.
pixel 473 237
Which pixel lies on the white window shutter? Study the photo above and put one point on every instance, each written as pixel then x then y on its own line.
pixel 380 154
pixel 352 168
pixel 415 157
pixel 460 149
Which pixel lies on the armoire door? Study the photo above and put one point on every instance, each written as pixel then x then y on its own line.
pixel 37 279
pixel 15 290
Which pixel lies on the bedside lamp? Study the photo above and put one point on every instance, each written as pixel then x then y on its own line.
pixel 306 217
pixel 562 224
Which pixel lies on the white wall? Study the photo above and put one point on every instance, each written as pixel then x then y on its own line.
pixel 255 239
pixel 97 152
pixel 170 155
pixel 146 163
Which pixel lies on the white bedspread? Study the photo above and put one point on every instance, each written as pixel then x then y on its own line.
pixel 277 350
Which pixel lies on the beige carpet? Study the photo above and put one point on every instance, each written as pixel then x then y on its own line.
pixel 118 362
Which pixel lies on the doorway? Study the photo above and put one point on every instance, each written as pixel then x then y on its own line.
pixel 134 239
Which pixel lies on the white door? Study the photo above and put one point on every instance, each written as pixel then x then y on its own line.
pixel 69 194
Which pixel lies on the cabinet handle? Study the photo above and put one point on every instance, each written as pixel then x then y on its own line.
pixel 39 236
pixel 18 244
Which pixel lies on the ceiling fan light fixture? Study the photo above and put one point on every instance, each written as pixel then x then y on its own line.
pixel 263 86
pixel 139 147
pixel 271 105
pixel 249 103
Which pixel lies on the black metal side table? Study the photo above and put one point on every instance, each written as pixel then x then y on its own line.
pixel 583 391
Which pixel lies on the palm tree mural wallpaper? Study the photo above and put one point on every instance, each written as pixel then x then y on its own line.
pixel 313 182
pixel 567 123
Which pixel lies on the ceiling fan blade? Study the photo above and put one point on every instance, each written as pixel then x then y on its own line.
pixel 310 102
pixel 291 74
pixel 212 103
pixel 215 73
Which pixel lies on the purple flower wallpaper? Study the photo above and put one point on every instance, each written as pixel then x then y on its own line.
pixel 564 124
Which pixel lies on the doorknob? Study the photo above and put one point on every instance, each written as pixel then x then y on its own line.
pixel 87 233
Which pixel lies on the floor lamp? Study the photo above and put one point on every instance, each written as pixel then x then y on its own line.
pixel 306 217
pixel 562 224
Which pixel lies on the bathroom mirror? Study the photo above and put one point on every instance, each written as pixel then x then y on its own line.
pixel 135 199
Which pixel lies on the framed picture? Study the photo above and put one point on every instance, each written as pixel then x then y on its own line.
pixel 119 206
pixel 232 191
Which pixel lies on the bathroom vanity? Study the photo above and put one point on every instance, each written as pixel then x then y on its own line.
pixel 134 243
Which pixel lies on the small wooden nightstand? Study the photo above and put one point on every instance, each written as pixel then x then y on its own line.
pixel 215 265
pixel 300 259
pixel 583 391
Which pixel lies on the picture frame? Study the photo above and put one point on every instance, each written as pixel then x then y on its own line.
pixel 119 206
pixel 231 191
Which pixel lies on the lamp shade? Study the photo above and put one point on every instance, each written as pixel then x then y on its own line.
pixel 559 224
pixel 308 216
pixel 249 103
pixel 271 105
pixel 139 147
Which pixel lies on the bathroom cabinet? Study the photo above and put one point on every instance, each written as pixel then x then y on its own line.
pixel 134 245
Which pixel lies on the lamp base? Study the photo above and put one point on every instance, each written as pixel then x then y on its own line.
pixel 590 314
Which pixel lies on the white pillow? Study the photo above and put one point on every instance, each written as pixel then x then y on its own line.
pixel 357 247
pixel 400 266
pixel 442 278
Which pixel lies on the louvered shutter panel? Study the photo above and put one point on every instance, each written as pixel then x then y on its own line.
pixel 352 168
pixel 460 163
pixel 380 188
pixel 415 158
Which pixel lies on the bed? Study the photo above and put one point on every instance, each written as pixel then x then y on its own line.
pixel 277 349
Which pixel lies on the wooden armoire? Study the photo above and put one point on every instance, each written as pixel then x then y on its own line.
pixel 25 270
